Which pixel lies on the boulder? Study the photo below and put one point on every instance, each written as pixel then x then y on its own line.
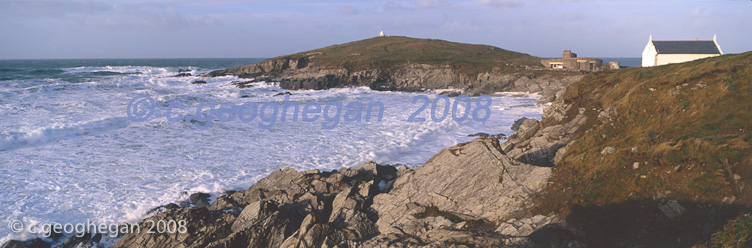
pixel 183 74
pixel 469 181
pixel 199 200
pixel 543 146
pixel 450 93
pixel 243 84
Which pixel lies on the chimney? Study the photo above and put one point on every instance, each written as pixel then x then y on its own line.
pixel 568 54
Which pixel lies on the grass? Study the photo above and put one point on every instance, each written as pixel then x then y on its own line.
pixel 692 149
pixel 392 53
pixel 737 233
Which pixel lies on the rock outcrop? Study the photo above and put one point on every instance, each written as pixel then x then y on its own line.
pixel 466 195
pixel 542 146
pixel 296 74
pixel 409 64
pixel 286 209
pixel 467 188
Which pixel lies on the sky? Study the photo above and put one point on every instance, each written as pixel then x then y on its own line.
pixel 36 29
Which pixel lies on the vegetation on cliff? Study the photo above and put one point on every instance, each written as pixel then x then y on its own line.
pixel 678 132
pixel 408 64
pixel 389 53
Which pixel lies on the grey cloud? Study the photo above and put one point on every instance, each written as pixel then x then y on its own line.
pixel 348 10
pixel 432 3
pixel 52 8
pixel 500 3
pixel 392 6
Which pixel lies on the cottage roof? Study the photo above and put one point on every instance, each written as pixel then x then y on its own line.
pixel 686 47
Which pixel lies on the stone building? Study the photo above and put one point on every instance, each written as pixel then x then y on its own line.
pixel 668 52
pixel 570 61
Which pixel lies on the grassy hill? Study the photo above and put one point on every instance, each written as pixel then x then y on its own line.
pixel 681 132
pixel 394 51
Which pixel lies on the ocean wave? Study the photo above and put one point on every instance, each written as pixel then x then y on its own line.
pixel 15 140
pixel 117 69
pixel 45 71
pixel 113 73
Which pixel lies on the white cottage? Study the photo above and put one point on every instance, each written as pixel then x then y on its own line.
pixel 668 52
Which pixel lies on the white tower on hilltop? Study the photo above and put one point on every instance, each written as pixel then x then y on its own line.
pixel 381 34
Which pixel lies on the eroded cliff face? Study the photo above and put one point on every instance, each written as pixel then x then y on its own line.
pixel 301 73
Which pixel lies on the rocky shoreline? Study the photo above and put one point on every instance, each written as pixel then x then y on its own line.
pixel 482 193
pixel 475 194
pixel 468 195
pixel 296 74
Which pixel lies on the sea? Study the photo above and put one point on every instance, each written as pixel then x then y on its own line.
pixel 91 140
pixel 624 62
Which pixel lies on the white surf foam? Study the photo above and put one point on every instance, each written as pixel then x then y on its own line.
pixel 92 163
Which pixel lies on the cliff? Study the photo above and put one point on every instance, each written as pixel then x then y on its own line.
pixel 408 64
pixel 648 157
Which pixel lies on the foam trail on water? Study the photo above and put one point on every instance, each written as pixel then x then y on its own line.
pixel 15 140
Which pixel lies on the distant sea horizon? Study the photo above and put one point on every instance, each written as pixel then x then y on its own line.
pixel 624 62
pixel 232 62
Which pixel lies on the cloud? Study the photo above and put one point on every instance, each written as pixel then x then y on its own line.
pixel 348 10
pixel 501 3
pixel 432 3
pixel 392 6
pixel 104 16
pixel 52 8
pixel 699 13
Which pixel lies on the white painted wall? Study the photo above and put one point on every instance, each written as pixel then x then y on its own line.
pixel 648 55
pixel 664 59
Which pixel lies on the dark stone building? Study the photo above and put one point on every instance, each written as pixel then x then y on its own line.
pixel 570 61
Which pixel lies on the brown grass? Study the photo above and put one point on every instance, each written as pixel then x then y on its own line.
pixel 390 53
pixel 691 123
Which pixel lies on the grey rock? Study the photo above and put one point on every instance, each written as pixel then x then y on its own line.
pixel 368 205
pixel 298 73
pixel 672 209
pixel 199 200
pixel 450 93
pixel 287 208
pixel 485 135
pixel 34 243
pixel 243 84
pixel 728 200
pixel 81 240
pixel 183 74
pixel 472 181
pixel 518 123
